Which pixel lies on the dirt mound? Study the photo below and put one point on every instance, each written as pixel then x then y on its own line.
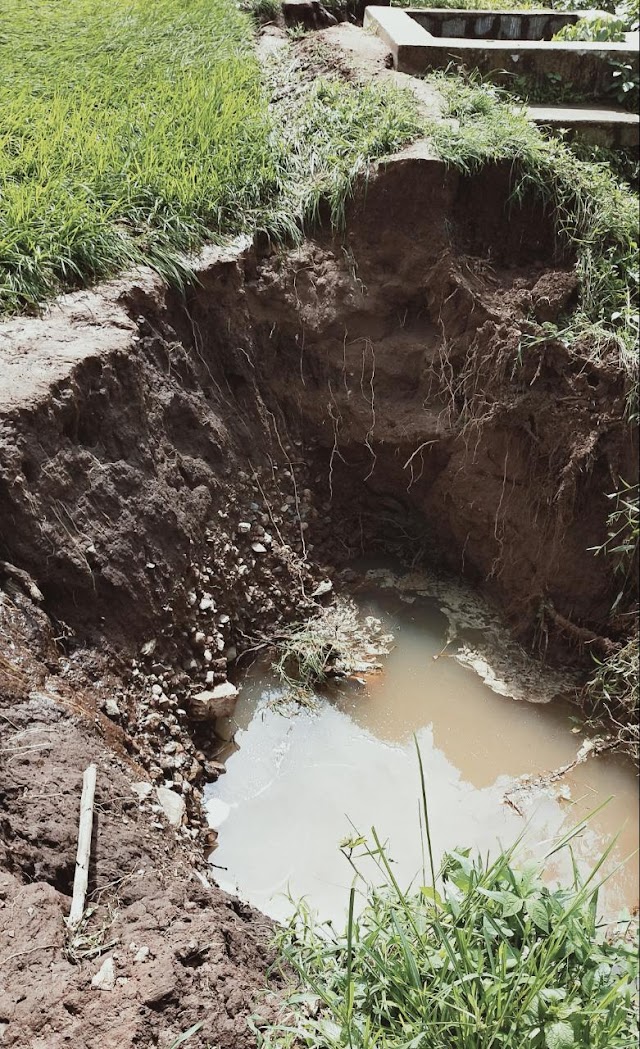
pixel 182 951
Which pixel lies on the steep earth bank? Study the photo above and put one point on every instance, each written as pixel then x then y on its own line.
pixel 175 479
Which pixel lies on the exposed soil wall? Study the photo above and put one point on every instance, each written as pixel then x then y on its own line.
pixel 400 350
pixel 175 478
pixel 409 350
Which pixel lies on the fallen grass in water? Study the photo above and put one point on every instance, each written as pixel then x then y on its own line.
pixel 485 956
pixel 338 643
pixel 304 660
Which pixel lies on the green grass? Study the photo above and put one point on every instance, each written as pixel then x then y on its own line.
pixel 594 212
pixel 613 691
pixel 329 131
pixel 133 132
pixel 485 956
pixel 123 123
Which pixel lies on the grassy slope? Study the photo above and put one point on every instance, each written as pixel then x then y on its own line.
pixel 134 132
pixel 122 126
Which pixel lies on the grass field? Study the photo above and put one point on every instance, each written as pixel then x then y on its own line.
pixel 122 126
pixel 132 132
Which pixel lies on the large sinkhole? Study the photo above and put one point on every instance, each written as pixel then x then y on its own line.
pixel 199 462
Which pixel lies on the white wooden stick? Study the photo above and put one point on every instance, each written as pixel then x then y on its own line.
pixel 83 854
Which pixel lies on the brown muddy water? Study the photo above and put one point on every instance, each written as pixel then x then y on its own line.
pixel 300 780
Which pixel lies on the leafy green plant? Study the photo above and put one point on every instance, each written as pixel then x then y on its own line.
pixel 625 84
pixel 546 88
pixel 611 30
pixel 486 954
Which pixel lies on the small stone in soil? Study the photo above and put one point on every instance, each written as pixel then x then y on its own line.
pixel 172 804
pixel 105 978
pixel 142 789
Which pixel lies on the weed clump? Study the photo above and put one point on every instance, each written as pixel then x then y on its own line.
pixel 613 691
pixel 305 659
pixel 485 955
pixel 326 134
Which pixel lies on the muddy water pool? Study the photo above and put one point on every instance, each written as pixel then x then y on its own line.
pixel 299 781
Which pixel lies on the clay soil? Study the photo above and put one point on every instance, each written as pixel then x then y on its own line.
pixel 178 475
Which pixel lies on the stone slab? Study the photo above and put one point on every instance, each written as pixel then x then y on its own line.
pixel 597 126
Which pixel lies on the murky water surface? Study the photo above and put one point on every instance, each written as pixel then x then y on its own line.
pixel 297 784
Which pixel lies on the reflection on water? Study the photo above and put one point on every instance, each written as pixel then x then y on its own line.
pixel 298 784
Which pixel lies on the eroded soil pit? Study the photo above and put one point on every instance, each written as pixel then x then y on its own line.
pixel 177 476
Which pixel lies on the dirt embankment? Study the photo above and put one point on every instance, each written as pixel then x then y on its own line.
pixel 173 477
pixel 423 366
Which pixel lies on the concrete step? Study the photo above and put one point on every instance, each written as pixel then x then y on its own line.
pixel 597 125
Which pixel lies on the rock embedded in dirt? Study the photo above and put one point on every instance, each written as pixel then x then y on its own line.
pixel 173 805
pixel 105 978
pixel 553 293
pixel 325 587
pixel 218 702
